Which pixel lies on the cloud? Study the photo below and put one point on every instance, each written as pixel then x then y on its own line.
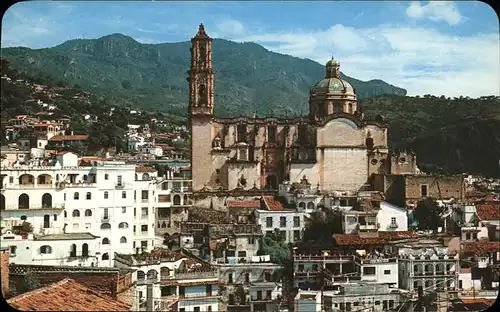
pixel 230 28
pixel 435 11
pixel 421 60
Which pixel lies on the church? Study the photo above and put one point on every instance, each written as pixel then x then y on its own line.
pixel 333 147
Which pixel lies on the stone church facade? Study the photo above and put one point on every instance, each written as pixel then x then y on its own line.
pixel 333 147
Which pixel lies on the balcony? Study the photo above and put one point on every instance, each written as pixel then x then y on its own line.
pixel 105 218
pixel 119 185
pixel 10 186
pixel 58 206
pixel 392 226
pixel 373 226
pixel 334 258
pixel 191 275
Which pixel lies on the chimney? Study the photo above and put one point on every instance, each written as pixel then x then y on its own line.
pixel 149 297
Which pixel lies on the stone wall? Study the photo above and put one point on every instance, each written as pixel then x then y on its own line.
pixel 4 270
pixel 437 187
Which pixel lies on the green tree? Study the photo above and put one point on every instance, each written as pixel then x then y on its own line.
pixel 31 281
pixel 427 215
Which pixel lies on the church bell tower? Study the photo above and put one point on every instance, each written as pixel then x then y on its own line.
pixel 201 76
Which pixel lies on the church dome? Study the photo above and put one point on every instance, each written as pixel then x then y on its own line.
pixel 332 84
pixel 332 95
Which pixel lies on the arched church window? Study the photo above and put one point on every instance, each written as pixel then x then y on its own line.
pixel 203 94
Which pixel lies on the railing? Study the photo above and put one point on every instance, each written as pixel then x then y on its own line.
pixel 191 275
pixel 375 260
pixel 147 280
pixel 119 185
pixel 9 186
pixel 324 258
pixel 392 225
pixel 36 207
pixel 105 218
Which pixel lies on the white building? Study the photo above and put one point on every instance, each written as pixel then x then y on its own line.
pixel 151 150
pixel 69 249
pixel 392 218
pixel 70 196
pixel 145 200
pixel 179 283
pixel 135 142
pixel 289 222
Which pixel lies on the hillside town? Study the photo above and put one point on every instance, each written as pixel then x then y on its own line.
pixel 257 214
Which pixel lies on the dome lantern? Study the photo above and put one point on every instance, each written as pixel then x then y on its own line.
pixel 332 69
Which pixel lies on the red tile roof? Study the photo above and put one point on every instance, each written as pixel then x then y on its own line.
pixel 474 194
pixel 480 248
pixel 273 205
pixel 66 295
pixel 243 204
pixel 488 211
pixel 350 239
pixel 380 239
pixel 76 137
pixel 144 169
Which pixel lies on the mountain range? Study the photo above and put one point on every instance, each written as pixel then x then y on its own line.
pixel 449 135
pixel 248 77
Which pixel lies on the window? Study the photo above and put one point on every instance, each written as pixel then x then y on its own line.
pixel 123 240
pixel 247 277
pixel 106 176
pixel 144 212
pixel 387 272
pixel 144 194
pixel 105 256
pixel 423 190
pixel 269 222
pixel 124 209
pixel 296 221
pixel 242 133
pixel 85 250
pixel 144 244
pixel 369 270
pixel 88 213
pixel 123 225
pixel 105 241
pixel 302 133
pixel 76 196
pixel 282 221
pixel 124 194
pixel 65 214
pixel 259 294
pixel 89 196
pixel 267 276
pixel 230 278
pixel 119 180
pixel 144 228
pixel 393 220
pixel 251 240
pixel 467 236
pixel 105 226
pixel 45 249
pixel 196 309
pixel 106 194
pixel 88 226
pixel 296 235
pixel 72 250
pixel 271 134
pixel 76 213
pixel 55 217
pixel 242 254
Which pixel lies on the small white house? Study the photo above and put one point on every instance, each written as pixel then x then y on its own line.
pixel 392 218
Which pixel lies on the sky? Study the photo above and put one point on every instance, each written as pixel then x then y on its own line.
pixel 440 48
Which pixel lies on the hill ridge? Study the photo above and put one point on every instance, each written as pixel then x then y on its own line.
pixel 248 78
